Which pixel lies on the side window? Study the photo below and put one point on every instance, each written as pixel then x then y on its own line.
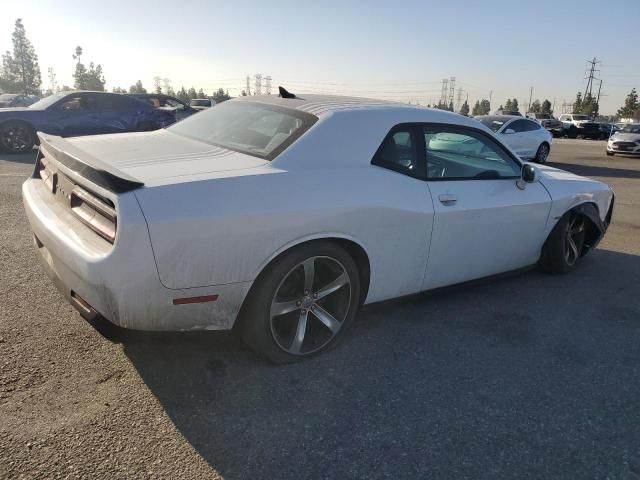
pixel 119 103
pixel 458 154
pixel 398 152
pixel 174 103
pixel 79 102
pixel 518 126
pixel 531 126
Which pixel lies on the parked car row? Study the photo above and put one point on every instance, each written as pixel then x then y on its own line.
pixel 70 114
pixel 12 100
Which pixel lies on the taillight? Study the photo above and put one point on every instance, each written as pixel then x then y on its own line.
pixel 95 213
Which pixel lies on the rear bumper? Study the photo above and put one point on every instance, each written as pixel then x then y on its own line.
pixel 121 282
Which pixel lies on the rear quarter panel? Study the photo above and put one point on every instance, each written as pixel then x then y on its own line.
pixel 226 230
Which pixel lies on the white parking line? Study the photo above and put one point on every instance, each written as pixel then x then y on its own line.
pixel 14 174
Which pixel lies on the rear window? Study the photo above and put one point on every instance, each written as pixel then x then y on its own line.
pixel 253 128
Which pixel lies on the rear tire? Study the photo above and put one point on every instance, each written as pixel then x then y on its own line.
pixel 573 132
pixel 543 153
pixel 17 137
pixel 302 304
pixel 563 247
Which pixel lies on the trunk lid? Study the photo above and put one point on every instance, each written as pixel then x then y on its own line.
pixel 156 158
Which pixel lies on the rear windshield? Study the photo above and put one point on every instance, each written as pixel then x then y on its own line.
pixel 253 128
pixel 200 103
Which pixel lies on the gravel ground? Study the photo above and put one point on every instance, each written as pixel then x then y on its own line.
pixel 528 376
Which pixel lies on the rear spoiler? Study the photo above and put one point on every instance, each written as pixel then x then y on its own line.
pixel 85 165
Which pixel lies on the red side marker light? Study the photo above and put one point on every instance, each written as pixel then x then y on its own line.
pixel 201 299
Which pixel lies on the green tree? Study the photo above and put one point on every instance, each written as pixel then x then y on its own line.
pixel 119 90
pixel 220 95
pixel 201 94
pixel 244 93
pixel 192 93
pixel 170 91
pixel 183 95
pixel 535 107
pixel 589 106
pixel 87 78
pixel 137 88
pixel 20 72
pixel 546 107
pixel 577 105
pixel 507 106
pixel 464 109
pixel 631 107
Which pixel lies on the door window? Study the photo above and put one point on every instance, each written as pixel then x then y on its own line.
pixel 457 154
pixel 79 102
pixel 174 103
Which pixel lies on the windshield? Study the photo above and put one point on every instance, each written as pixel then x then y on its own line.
pixel 581 117
pixel 633 128
pixel 47 101
pixel 253 128
pixel 494 123
pixel 7 96
pixel 200 103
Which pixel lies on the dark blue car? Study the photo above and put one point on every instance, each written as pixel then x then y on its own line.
pixel 72 114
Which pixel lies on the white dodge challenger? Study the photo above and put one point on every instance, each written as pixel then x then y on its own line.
pixel 279 216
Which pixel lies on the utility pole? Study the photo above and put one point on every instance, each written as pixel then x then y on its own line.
pixel 530 97
pixel 599 89
pixel 248 89
pixel 490 95
pixel 53 84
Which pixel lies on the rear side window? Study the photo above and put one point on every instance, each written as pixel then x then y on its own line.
pixel 531 126
pixel 398 152
pixel 253 128
pixel 121 103
pixel 518 126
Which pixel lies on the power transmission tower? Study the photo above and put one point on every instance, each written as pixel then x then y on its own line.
pixel 257 87
pixel 156 84
pixel 490 96
pixel 591 77
pixel 248 89
pixel 443 93
pixel 268 86
pixel 452 90
pixel 530 97
pixel 459 99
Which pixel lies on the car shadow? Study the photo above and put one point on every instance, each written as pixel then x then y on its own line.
pixel 487 380
pixel 26 158
pixel 596 171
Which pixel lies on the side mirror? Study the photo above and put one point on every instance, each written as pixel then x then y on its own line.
pixel 509 131
pixel 529 174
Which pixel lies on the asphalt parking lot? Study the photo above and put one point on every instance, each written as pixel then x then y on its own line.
pixel 529 376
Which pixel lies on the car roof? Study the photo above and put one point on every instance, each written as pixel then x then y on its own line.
pixel 318 104
pixel 503 118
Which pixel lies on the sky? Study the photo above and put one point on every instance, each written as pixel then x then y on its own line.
pixel 380 49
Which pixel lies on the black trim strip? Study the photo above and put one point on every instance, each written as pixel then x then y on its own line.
pixel 93 170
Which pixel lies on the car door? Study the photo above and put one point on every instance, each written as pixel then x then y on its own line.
pixel 513 135
pixel 484 223
pixel 118 113
pixel 533 136
pixel 76 115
